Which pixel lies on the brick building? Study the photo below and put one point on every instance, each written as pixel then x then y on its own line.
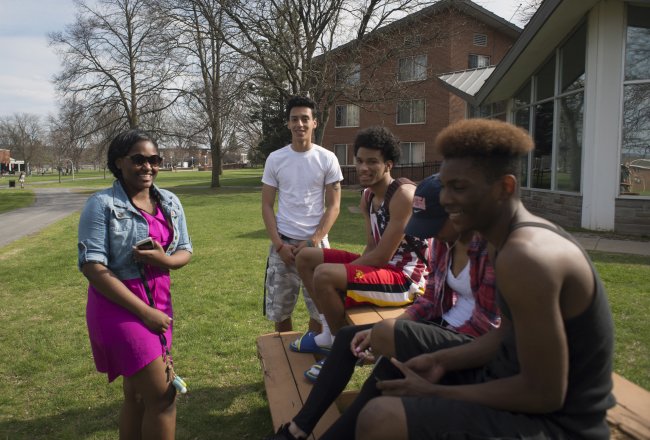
pixel 5 157
pixel 390 78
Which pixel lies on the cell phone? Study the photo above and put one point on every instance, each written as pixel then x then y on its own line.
pixel 385 370
pixel 146 244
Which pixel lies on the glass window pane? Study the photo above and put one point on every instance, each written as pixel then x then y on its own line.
pixel 637 48
pixel 522 119
pixel 635 150
pixel 353 115
pixel 523 96
pixel 341 152
pixel 573 60
pixel 403 112
pixel 420 67
pixel 546 80
pixel 417 152
pixel 541 166
pixel 405 157
pixel 340 115
pixel 405 68
pixel 418 111
pixel 569 150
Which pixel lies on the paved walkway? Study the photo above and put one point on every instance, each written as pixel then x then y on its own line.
pixel 53 204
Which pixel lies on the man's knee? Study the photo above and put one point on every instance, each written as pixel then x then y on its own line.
pixel 309 258
pixel 382 417
pixel 330 275
pixel 382 337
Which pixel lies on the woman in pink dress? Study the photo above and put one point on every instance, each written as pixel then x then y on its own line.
pixel 125 329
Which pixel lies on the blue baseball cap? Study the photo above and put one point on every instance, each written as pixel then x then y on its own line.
pixel 428 216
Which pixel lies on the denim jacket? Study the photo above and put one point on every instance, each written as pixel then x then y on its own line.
pixel 110 226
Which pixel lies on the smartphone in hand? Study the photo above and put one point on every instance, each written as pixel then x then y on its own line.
pixel 146 244
pixel 385 370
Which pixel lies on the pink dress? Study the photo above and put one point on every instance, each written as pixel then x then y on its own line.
pixel 120 342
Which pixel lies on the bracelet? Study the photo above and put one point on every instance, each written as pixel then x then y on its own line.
pixel 280 248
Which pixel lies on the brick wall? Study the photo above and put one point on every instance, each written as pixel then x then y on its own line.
pixel 563 209
pixel 632 217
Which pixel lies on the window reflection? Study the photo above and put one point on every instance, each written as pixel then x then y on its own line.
pixel 542 155
pixel 573 61
pixel 635 145
pixel 569 151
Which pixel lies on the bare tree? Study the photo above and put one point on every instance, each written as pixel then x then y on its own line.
pixel 284 37
pixel 113 60
pixel 68 139
pixel 23 134
pixel 214 73
pixel 527 9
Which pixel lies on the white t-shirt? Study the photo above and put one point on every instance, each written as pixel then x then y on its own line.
pixel 300 178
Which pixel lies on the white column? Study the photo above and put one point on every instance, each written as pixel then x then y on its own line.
pixel 602 114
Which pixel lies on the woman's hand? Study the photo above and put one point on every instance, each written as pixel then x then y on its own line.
pixel 360 344
pixel 152 257
pixel 156 320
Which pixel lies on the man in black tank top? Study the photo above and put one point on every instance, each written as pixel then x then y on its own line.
pixel 546 372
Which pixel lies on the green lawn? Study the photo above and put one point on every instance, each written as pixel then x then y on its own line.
pixel 15 198
pixel 53 391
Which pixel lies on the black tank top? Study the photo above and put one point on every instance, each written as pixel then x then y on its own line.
pixel 590 338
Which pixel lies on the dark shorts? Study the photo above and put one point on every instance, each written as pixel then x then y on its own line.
pixel 382 286
pixel 438 418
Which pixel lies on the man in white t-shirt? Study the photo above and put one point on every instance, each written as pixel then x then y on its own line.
pixel 307 179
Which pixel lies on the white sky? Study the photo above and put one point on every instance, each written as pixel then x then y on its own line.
pixel 27 64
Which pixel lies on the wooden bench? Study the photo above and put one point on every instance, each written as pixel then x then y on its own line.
pixel 370 314
pixel 287 389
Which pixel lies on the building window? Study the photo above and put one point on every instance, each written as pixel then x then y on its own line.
pixel 496 110
pixel 550 106
pixel 411 111
pixel 412 153
pixel 635 142
pixel 476 61
pixel 341 152
pixel 412 68
pixel 480 40
pixel 348 74
pixel 412 41
pixel 347 115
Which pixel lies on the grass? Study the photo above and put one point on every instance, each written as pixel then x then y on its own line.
pixel 11 199
pixel 53 391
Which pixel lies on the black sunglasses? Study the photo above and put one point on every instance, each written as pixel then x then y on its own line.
pixel 139 159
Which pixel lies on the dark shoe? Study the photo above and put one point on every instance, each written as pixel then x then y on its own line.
pixel 282 434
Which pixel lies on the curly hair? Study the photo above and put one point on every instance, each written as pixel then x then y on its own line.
pixel 493 145
pixel 122 144
pixel 379 138
pixel 300 101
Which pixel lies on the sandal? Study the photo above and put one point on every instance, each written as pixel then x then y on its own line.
pixel 307 344
pixel 313 373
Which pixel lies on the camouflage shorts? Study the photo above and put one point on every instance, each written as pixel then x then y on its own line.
pixel 283 286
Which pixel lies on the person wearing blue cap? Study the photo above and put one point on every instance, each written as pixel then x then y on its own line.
pixel 459 268
pixel 546 372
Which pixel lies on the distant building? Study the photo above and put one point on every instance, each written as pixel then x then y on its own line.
pixel 391 78
pixel 5 157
